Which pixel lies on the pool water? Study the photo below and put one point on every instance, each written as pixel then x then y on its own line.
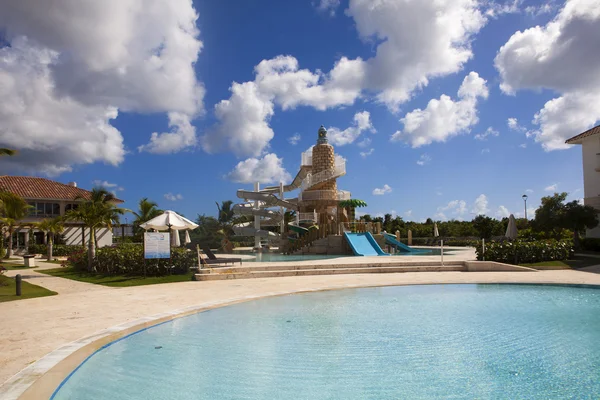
pixel 272 257
pixel 411 342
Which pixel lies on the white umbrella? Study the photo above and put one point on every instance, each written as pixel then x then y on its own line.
pixel 511 229
pixel 187 238
pixel 175 240
pixel 436 233
pixel 169 220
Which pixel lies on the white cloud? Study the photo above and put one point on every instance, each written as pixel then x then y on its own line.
pixel 498 9
pixel 529 191
pixel 481 205
pixel 484 151
pixel 445 117
pixel 71 67
pixel 560 56
pixel 408 213
pixel 438 193
pixel 328 6
pixel 440 216
pixel 523 145
pixel 456 207
pixel 488 132
pixel 381 191
pixel 415 43
pixel 362 122
pixel 173 197
pixel 365 154
pixel 295 139
pixel 423 160
pixel 182 136
pixel 268 169
pixel 540 10
pixel 106 184
pixel 551 188
pixel 513 125
pixel 366 142
pixel 502 212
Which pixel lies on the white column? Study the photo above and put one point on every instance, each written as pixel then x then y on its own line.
pixel 281 210
pixel 256 217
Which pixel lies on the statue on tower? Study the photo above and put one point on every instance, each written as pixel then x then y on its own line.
pixel 322 135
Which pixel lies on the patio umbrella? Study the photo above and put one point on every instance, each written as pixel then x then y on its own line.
pixel 169 220
pixel 175 240
pixel 511 229
pixel 187 238
pixel 436 233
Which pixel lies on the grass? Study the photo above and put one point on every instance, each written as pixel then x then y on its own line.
pixel 115 281
pixel 28 291
pixel 12 265
pixel 576 263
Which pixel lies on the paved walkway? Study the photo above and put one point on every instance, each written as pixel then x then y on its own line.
pixel 58 285
pixel 32 328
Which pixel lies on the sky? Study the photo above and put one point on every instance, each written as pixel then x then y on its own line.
pixel 443 109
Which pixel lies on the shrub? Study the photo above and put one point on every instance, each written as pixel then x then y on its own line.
pixel 519 251
pixel 128 259
pixel 590 244
pixel 58 250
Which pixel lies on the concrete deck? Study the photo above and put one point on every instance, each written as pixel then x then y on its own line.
pixel 83 316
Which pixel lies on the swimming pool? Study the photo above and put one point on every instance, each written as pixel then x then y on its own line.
pixel 275 257
pixel 410 342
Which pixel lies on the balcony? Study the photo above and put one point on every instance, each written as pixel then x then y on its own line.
pixel 324 195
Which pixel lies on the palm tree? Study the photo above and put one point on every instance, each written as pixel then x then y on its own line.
pixel 350 206
pixel 14 208
pixel 96 212
pixel 147 210
pixel 51 227
pixel 225 217
pixel 7 152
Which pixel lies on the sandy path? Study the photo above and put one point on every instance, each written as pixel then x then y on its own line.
pixel 32 328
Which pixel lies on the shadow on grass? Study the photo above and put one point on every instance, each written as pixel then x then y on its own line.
pixel 116 280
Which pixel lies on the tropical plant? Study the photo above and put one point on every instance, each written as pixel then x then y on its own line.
pixel 51 227
pixel 14 209
pixel 96 212
pixel 351 206
pixel 7 152
pixel 579 217
pixel 147 210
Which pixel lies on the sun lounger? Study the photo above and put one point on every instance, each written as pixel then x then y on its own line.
pixel 212 259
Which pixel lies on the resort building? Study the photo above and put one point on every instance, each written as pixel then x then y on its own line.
pixel 49 199
pixel 590 146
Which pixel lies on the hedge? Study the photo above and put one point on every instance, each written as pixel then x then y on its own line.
pixel 519 251
pixel 128 259
pixel 58 250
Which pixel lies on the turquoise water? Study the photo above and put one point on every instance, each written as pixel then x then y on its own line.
pixel 272 257
pixel 411 342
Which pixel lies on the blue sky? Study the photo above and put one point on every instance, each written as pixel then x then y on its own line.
pixel 424 90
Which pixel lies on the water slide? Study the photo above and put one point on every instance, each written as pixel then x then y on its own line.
pixel 297 228
pixel 364 244
pixel 391 239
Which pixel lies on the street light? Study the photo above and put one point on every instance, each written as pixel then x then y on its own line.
pixel 525 200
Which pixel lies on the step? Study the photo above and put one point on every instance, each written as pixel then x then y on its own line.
pixel 331 271
pixel 248 267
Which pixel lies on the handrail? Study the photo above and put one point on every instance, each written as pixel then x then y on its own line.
pixel 311 180
pixel 324 195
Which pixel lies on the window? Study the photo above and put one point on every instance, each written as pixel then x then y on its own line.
pixel 43 209
pixel 71 206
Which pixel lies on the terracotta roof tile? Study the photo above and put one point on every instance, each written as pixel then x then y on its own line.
pixel 577 139
pixel 30 187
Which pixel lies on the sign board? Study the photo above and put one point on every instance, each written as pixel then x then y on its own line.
pixel 157 245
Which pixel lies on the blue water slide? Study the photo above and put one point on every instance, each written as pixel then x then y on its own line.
pixel 364 244
pixel 391 239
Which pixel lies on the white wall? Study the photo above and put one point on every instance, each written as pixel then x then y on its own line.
pixel 591 178
pixel 73 236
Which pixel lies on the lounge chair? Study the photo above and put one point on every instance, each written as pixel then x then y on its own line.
pixel 212 259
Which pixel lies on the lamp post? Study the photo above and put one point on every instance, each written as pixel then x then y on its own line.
pixel 525 200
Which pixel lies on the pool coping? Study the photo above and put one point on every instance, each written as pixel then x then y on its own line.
pixel 45 376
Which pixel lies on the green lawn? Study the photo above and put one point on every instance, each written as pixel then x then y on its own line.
pixel 115 281
pixel 576 263
pixel 28 291
pixel 13 265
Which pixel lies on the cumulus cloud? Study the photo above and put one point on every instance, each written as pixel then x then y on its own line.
pixel 502 212
pixel 445 117
pixel 366 142
pixel 481 205
pixel 362 122
pixel 484 151
pixel 488 132
pixel 423 160
pixel 71 67
pixel 107 185
pixel 408 213
pixel 173 197
pixel 295 139
pixel 529 191
pixel 561 56
pixel 456 207
pixel 381 191
pixel 327 6
pixel 268 169
pixel 182 136
pixel 513 125
pixel 365 154
pixel 415 43
pixel 551 188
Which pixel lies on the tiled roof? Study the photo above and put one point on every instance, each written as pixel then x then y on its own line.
pixel 30 187
pixel 577 139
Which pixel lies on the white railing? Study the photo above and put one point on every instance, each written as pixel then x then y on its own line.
pixel 324 195
pixel 314 179
pixel 308 216
pixel 306 158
